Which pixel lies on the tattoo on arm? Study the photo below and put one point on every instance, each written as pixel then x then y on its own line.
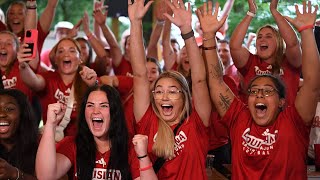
pixel 216 70
pixel 224 102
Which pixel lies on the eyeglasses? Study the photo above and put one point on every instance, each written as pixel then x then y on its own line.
pixel 171 94
pixel 265 92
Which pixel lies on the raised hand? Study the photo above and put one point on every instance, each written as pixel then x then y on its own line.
pixel 209 22
pixel 24 54
pixel 160 8
pixel 140 143
pixel 86 23
pixel 55 113
pixel 137 9
pixel 89 76
pixel 252 6
pixel 100 17
pixel 74 31
pixel 182 16
pixel 7 171
pixel 306 18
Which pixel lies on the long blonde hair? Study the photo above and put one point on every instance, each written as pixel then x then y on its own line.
pixel 278 55
pixel 164 143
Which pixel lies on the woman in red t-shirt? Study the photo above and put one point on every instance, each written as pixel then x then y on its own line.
pixel 269 140
pixel 100 150
pixel 169 106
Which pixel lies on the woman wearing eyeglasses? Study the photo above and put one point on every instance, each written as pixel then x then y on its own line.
pixel 268 139
pixel 177 126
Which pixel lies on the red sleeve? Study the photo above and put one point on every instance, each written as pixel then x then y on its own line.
pixel 245 69
pixel 41 37
pixel 144 125
pixel 133 163
pixel 123 68
pixel 232 84
pixel 233 112
pixel 67 147
pixel 125 85
pixel 3 27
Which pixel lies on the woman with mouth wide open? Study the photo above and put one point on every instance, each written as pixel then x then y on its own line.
pixel 177 126
pixel 269 140
pixel 278 51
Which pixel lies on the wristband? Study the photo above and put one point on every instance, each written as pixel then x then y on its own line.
pixel 146 168
pixel 160 23
pixel 188 35
pixel 140 157
pixel 251 14
pixel 311 26
pixel 209 48
pixel 205 39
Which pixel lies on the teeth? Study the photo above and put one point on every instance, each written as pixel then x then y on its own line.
pixel 260 104
pixel 4 124
pixel 3 53
pixel 166 105
pixel 96 119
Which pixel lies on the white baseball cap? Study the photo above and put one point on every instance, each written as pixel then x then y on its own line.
pixel 63 24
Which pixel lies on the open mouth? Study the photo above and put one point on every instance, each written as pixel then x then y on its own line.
pixel 263 47
pixel 4 127
pixel 97 123
pixel 3 56
pixel 166 108
pixel 261 109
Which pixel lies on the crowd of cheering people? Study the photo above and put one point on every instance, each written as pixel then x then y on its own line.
pixel 123 115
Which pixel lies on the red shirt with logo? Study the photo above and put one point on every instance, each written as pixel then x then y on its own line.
pixel 289 74
pixel 123 68
pixel 277 151
pixel 68 148
pixel 56 91
pixel 191 147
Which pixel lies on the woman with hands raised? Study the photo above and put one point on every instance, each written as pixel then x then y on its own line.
pixel 278 51
pixel 176 126
pixel 269 140
pixel 101 149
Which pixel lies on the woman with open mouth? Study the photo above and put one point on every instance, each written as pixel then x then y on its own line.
pixel 269 140
pixel 177 126
pixel 278 51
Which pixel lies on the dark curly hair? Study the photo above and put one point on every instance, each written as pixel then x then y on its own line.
pixel 117 134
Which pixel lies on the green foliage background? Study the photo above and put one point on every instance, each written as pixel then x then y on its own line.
pixel 72 10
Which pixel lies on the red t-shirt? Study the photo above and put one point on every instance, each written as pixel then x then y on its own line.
pixel 123 67
pixel 68 148
pixel 57 91
pixel 277 151
pixel 290 75
pixel 191 147
pixel 218 134
pixel 13 81
pixel 126 92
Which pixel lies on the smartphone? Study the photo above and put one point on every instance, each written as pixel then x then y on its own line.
pixel 31 38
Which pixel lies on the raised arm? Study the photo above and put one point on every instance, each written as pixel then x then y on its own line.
pixel 28 76
pixel 293 50
pixel 30 21
pixel 220 93
pixel 200 94
pixel 169 56
pixel 240 53
pixel 225 12
pixel 47 15
pixel 152 49
pixel 141 87
pixel 49 164
pixel 307 98
pixel 115 49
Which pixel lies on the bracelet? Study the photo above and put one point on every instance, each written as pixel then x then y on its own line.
pixel 205 39
pixel 311 26
pixel 146 168
pixel 160 23
pixel 188 35
pixel 251 14
pixel 18 176
pixel 140 157
pixel 209 48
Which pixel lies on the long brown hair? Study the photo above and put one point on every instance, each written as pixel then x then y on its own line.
pixel 278 55
pixel 17 45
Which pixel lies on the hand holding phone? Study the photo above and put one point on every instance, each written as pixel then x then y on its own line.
pixel 31 38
